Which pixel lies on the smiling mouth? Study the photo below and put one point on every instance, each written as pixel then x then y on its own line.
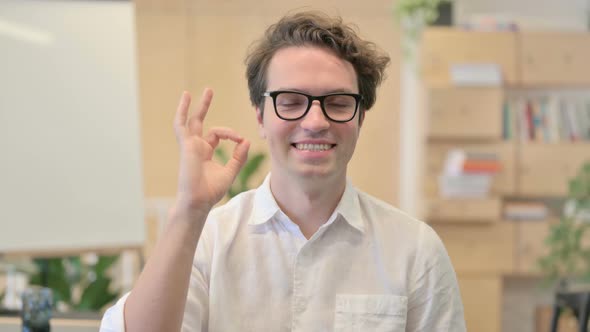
pixel 313 147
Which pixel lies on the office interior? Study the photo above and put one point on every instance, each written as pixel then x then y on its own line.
pixel 481 129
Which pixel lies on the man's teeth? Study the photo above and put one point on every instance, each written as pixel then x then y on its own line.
pixel 313 147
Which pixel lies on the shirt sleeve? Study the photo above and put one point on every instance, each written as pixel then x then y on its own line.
pixel 196 311
pixel 435 301
pixel 113 320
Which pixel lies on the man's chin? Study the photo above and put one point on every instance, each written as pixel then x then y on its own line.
pixel 316 172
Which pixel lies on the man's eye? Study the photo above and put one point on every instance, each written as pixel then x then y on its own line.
pixel 290 103
pixel 338 105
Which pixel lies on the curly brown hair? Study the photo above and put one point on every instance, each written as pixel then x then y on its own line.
pixel 312 28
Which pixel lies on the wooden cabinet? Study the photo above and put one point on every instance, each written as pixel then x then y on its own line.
pixel 529 246
pixel 466 113
pixel 468 210
pixel 554 58
pixel 545 169
pixel 444 47
pixel 487 248
pixel 525 58
pixel 482 302
pixel 484 248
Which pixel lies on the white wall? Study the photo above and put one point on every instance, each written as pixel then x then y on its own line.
pixel 70 164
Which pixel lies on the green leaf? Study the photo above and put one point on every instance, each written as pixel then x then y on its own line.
pixel 221 155
pixel 104 262
pixel 74 269
pixel 250 168
pixel 51 273
pixel 96 295
pixel 57 281
pixel 577 188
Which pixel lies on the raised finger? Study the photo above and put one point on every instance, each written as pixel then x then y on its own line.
pixel 196 121
pixel 181 115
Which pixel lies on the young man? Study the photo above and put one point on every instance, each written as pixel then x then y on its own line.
pixel 305 251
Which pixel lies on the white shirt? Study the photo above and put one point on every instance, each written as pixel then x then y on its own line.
pixel 370 267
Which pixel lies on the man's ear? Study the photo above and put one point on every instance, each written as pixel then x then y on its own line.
pixel 260 123
pixel 361 118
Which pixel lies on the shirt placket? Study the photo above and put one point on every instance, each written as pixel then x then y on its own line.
pixel 298 301
pixel 302 291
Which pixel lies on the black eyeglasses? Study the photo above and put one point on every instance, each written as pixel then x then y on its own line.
pixel 338 107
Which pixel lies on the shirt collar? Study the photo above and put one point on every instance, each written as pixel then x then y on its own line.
pixel 350 208
pixel 266 207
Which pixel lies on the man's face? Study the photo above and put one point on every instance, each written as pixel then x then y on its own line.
pixel 312 146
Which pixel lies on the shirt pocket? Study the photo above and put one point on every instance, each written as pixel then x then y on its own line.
pixel 376 313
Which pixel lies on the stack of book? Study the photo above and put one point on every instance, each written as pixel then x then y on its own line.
pixel 525 211
pixel 468 174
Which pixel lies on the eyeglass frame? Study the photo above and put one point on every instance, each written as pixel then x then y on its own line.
pixel 310 98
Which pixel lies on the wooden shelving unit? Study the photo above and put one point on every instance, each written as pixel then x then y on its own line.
pixel 485 248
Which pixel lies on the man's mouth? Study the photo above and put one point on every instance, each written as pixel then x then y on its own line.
pixel 313 147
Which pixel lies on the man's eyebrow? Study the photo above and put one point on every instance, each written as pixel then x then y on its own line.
pixel 327 92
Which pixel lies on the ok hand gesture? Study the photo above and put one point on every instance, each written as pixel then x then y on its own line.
pixel 203 182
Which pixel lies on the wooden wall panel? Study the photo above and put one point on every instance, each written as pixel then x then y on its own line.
pixel 482 300
pixel 161 42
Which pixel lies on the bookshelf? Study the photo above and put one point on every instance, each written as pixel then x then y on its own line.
pixel 484 246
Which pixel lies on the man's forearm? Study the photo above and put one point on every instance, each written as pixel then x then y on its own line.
pixel 157 301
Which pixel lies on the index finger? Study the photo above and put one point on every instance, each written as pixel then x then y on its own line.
pixel 182 114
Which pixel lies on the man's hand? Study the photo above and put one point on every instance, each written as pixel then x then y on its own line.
pixel 159 296
pixel 203 182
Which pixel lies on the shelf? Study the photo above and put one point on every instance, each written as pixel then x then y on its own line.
pixel 465 113
pixel 436 152
pixel 545 169
pixel 464 211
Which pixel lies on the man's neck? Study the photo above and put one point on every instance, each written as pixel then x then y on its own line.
pixel 309 203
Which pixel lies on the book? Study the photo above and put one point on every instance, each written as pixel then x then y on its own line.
pixel 525 211
pixel 464 186
pixel 481 166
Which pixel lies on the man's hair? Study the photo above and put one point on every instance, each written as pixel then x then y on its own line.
pixel 318 30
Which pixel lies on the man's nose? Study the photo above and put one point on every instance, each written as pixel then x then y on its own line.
pixel 315 120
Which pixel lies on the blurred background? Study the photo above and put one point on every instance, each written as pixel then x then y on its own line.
pixel 481 129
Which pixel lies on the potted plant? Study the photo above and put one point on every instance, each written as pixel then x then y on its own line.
pixel 568 259
pixel 413 16
pixel 417 13
pixel 79 283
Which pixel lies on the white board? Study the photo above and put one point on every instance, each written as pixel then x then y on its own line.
pixel 70 162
